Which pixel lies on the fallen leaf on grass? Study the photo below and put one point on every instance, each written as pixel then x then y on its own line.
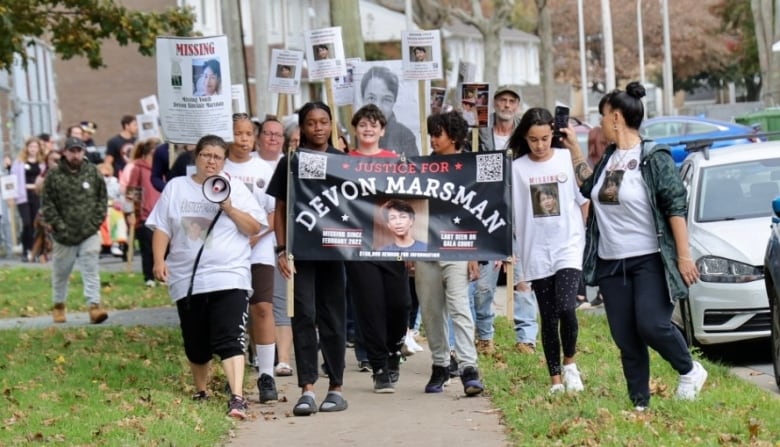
pixel 724 438
pixel 754 426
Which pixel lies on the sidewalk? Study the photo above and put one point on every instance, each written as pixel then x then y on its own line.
pixel 407 418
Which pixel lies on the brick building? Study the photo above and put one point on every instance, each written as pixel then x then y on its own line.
pixel 106 94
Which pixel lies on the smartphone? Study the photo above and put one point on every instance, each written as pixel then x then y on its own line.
pixel 561 120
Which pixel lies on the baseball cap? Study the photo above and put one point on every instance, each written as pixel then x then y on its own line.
pixel 508 89
pixel 89 126
pixel 74 142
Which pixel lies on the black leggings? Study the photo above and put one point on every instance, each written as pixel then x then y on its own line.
pixel 27 212
pixel 557 298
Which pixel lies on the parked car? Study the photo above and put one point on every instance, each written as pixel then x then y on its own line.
pixel 729 196
pixel 772 282
pixel 678 130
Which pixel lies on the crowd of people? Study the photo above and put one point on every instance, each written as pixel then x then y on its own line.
pixel 579 218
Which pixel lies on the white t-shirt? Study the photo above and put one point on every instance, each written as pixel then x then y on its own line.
pixel 185 215
pixel 500 141
pixel 549 229
pixel 256 174
pixel 622 208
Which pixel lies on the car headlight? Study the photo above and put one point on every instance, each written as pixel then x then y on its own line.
pixel 715 269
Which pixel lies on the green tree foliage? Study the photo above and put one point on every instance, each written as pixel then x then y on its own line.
pixel 78 27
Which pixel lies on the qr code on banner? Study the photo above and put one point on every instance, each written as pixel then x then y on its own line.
pixel 312 166
pixel 490 167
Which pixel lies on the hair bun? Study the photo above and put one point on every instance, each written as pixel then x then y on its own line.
pixel 635 90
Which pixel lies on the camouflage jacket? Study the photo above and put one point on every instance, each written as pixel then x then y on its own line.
pixel 74 203
pixel 668 197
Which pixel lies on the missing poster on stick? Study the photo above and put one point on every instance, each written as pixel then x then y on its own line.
pixel 285 71
pixel 194 100
pixel 422 55
pixel 325 53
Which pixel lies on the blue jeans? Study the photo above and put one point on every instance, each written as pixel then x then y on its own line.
pixel 481 294
pixel 525 309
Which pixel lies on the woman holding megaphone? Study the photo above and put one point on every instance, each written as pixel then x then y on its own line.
pixel 209 281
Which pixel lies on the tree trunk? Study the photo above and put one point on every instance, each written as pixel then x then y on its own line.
pixel 492 42
pixel 346 14
pixel 766 24
pixel 546 54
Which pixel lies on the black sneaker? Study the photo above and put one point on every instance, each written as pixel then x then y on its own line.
pixel 200 396
pixel 394 368
pixel 439 376
pixel 364 366
pixel 453 368
pixel 598 301
pixel 267 387
pixel 382 382
pixel 471 383
pixel 237 407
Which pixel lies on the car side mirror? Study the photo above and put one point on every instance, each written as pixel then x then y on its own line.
pixel 776 209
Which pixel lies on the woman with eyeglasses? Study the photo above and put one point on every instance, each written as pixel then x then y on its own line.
pixel 209 280
pixel 319 316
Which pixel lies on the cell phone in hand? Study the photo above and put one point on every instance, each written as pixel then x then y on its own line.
pixel 561 121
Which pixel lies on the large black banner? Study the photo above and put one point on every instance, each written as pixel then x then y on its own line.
pixel 437 207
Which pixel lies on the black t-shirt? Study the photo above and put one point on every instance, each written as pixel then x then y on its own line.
pixel 31 172
pixel 277 187
pixel 115 147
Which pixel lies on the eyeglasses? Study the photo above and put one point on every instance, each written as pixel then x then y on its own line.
pixel 240 116
pixel 212 157
pixel 273 134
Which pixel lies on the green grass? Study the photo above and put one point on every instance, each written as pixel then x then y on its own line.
pixel 26 292
pixel 103 386
pixel 729 411
pixel 111 386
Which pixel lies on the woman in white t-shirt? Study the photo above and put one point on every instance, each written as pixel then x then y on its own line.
pixel 637 248
pixel 550 235
pixel 207 267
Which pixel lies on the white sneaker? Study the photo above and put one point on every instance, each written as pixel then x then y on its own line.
pixel 412 344
pixel 691 383
pixel 150 283
pixel 116 250
pixel 571 378
pixel 557 388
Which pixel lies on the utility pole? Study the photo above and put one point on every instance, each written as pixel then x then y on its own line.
pixel 668 80
pixel 583 61
pixel 232 28
pixel 609 50
pixel 263 100
pixel 346 14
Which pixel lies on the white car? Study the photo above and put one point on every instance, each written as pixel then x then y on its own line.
pixel 730 193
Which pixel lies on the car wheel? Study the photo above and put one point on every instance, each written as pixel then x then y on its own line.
pixel 774 310
pixel 687 320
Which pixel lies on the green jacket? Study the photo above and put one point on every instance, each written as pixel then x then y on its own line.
pixel 668 197
pixel 74 203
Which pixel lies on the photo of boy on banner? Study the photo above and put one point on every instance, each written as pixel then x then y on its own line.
pixel 397 227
